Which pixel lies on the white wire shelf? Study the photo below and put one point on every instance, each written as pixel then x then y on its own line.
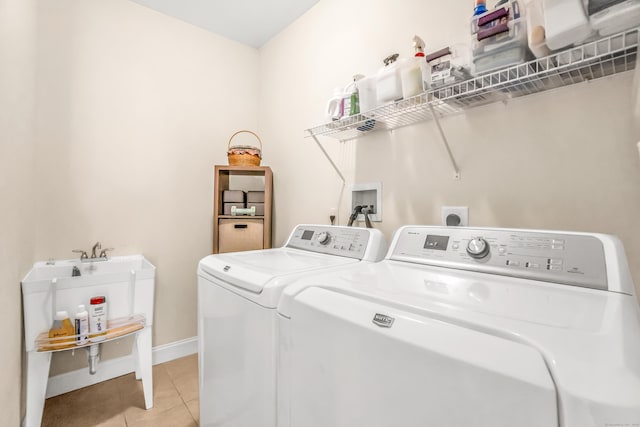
pixel 594 60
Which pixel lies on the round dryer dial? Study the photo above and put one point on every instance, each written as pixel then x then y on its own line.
pixel 478 248
pixel 324 238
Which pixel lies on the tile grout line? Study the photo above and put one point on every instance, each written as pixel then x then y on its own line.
pixel 184 403
pixel 166 409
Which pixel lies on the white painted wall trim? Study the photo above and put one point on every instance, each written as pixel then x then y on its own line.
pixel 114 368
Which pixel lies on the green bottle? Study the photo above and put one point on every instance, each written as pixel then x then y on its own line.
pixel 355 103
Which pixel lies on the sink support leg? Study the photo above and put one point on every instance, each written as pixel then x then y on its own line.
pixel 37 377
pixel 136 359
pixel 143 364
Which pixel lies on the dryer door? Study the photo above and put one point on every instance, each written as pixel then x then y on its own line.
pixel 354 362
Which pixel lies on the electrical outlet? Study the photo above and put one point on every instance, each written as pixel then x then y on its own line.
pixel 333 213
pixel 461 211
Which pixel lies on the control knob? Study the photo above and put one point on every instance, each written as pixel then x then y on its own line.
pixel 324 238
pixel 478 248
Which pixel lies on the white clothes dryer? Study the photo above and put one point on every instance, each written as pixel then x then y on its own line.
pixel 466 327
pixel 237 298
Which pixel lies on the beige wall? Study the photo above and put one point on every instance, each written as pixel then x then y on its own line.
pixel 565 159
pixel 17 120
pixel 134 110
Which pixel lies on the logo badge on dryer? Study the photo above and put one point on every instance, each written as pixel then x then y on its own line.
pixel 383 320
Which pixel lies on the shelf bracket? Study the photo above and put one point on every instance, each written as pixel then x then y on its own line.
pixel 315 138
pixel 454 165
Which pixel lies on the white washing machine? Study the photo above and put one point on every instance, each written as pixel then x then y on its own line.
pixel 237 298
pixel 466 327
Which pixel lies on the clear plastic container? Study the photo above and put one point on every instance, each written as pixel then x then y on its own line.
pixel 500 28
pixel 609 17
pixel 536 35
pixel 449 65
pixel 499 59
pixel 565 23
pixel 499 38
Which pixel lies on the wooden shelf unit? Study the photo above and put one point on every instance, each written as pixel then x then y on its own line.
pixel 222 181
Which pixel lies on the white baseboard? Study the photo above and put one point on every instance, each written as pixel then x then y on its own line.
pixel 114 368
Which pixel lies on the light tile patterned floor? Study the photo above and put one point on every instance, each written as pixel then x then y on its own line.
pixel 120 402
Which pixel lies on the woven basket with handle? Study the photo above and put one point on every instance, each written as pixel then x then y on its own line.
pixel 244 155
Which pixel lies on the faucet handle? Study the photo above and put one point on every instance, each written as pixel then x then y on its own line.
pixel 103 254
pixel 83 254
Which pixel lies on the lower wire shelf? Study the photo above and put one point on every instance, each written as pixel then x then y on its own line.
pixel 116 328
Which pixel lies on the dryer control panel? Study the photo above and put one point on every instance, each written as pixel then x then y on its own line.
pixel 331 240
pixel 571 259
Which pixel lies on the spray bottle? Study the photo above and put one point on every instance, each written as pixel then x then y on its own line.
pixel 351 97
pixel 355 95
pixel 418 46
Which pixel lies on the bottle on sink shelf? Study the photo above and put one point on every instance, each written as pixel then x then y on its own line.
pixel 82 325
pixel 62 327
pixel 97 318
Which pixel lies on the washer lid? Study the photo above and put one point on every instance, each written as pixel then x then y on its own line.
pixel 590 339
pixel 253 270
pixel 407 368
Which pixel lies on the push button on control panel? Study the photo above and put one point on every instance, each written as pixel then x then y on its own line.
pixel 554 264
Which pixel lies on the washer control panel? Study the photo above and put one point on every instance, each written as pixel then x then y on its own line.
pixel 332 240
pixel 570 259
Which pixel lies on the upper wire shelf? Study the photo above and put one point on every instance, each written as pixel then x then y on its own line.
pixel 594 60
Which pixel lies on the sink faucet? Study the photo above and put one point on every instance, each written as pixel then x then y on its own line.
pixel 95 248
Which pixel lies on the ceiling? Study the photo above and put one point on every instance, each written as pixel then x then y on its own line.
pixel 251 22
